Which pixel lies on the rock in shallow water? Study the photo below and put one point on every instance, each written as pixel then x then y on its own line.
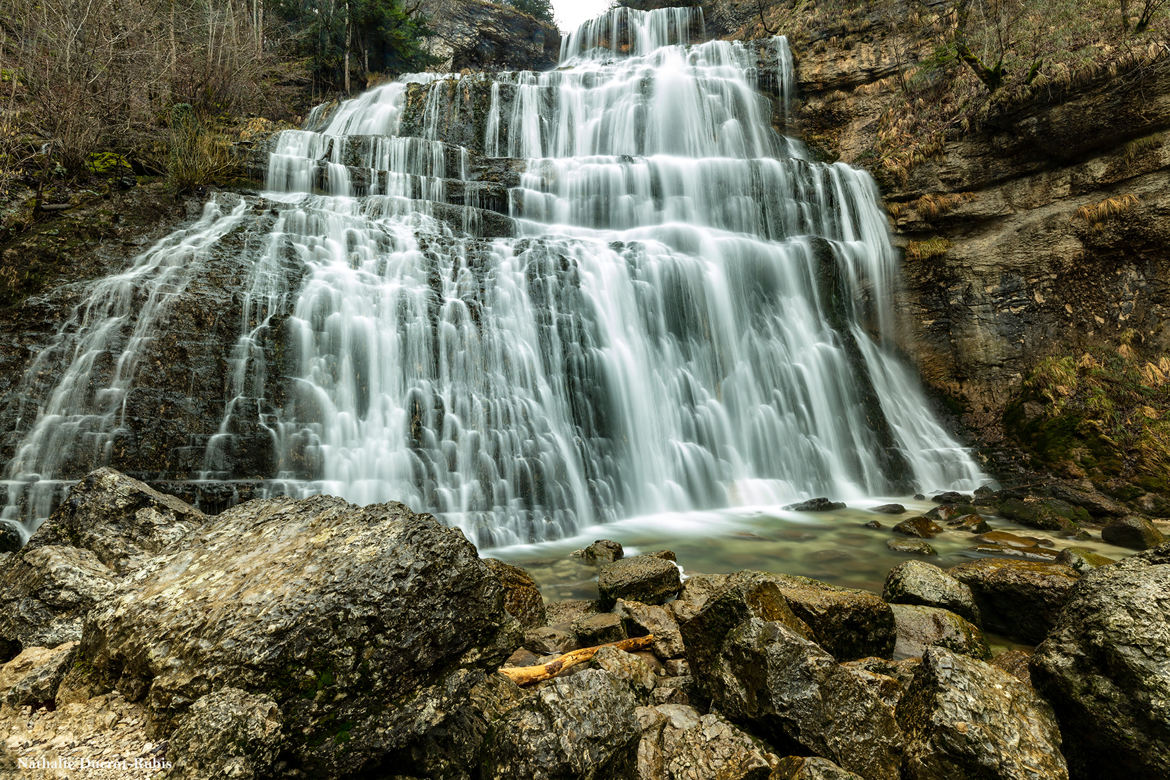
pixel 1136 533
pixel 816 505
pixel 1106 669
pixel 1019 599
pixel 964 718
pixel 366 625
pixel 641 578
pixel 922 527
pixel 910 546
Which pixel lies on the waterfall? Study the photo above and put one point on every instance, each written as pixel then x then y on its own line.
pixel 682 310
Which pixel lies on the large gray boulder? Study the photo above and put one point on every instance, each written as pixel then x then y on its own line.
pixel 916 582
pixel 642 578
pixel 1019 599
pixel 580 726
pixel 848 622
pixel 366 625
pixel 121 520
pixel 964 718
pixel 792 693
pixel 1106 669
pixel 522 597
pixel 45 594
pixel 229 733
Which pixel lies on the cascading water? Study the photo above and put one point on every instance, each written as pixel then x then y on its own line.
pixel 687 313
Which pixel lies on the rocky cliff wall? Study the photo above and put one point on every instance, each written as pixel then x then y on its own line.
pixel 479 35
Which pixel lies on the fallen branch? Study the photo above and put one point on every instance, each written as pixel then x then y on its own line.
pixel 526 675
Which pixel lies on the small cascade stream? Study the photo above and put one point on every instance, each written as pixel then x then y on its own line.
pixel 680 311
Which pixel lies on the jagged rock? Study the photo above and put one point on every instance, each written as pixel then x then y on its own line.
pixel 599 629
pixel 1082 559
pixel 696 591
pixel 229 733
pixel 1136 533
pixel 641 578
pixel 848 622
pixel 1015 663
pixel 921 627
pixel 627 667
pixel 477 35
pixel 366 625
pixel 565 612
pixel 121 520
pixel 911 546
pixel 887 679
pixel 45 594
pixel 749 595
pixel 582 726
pixel 1019 599
pixel 666 555
pixel 816 505
pixel 31 679
pixel 10 538
pixel 1106 669
pixel 602 551
pixel 678 743
pixel 889 509
pixel 916 582
pixel 920 526
pixel 964 718
pixel 642 619
pixel 522 597
pixel 811 768
pixel 793 694
pixel 548 639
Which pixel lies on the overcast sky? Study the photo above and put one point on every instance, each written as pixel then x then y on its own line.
pixel 570 13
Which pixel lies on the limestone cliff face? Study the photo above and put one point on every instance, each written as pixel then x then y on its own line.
pixel 479 35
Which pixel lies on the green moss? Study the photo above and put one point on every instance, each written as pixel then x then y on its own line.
pixel 107 164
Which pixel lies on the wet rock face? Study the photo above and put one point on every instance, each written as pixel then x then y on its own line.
pixel 847 622
pixel 1020 599
pixel 641 578
pixel 31 679
pixel 795 695
pixel 1136 533
pixel 580 726
pixel 45 594
pixel 1106 669
pixel 921 627
pixel 228 733
pixel 121 520
pixel 477 35
pixel 522 597
pixel 967 719
pixel 915 582
pixel 364 625
pixel 680 743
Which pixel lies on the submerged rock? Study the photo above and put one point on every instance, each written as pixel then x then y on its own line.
pixel 1019 599
pixel 911 546
pixel 45 594
pixel 916 582
pixel 1136 533
pixel 922 527
pixel 1106 669
pixel 366 625
pixel 641 578
pixel 581 726
pixel 964 718
pixel 888 509
pixel 602 551
pixel 922 627
pixel 121 520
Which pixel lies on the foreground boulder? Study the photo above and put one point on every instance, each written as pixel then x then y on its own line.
pixel 1106 669
pixel 967 719
pixel 121 520
pixel 45 594
pixel 31 679
pixel 1136 533
pixel 228 733
pixel 679 743
pixel 365 625
pixel 792 693
pixel 915 582
pixel 847 622
pixel 806 768
pixel 1019 599
pixel 581 726
pixel 641 578
pixel 522 597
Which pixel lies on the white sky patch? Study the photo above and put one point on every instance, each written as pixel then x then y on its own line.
pixel 571 13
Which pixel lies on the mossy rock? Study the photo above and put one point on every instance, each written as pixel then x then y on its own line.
pixel 108 164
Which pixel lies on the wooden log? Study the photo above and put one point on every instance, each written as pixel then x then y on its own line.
pixel 526 675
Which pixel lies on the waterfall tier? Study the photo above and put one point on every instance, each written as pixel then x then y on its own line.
pixel 679 310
